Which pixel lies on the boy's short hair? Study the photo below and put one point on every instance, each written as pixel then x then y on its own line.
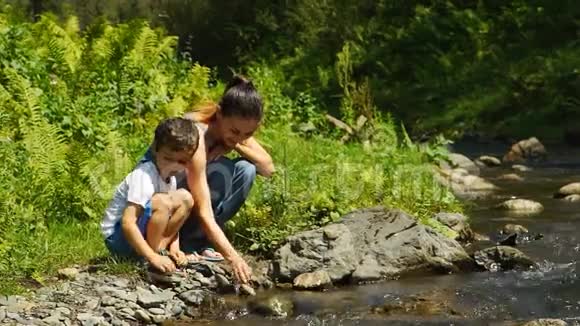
pixel 176 134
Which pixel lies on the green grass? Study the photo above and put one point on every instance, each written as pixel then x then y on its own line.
pixel 36 257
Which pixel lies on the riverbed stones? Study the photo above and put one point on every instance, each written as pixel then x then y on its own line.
pixel 312 281
pixel 513 228
pixel 521 168
pixel 489 160
pixel 502 258
pixel 423 305
pixel 567 190
pixel 525 150
pixel 520 205
pixel 464 184
pixel 546 322
pixel 510 177
pixel 373 244
pixel 572 198
pixel 149 299
pixel 461 161
pixel 458 223
pixel 273 306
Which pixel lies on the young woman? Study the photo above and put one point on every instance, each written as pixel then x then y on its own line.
pixel 220 186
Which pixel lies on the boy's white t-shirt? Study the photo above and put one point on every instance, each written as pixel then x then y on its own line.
pixel 138 187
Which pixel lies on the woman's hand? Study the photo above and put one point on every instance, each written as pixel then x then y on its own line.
pixel 241 270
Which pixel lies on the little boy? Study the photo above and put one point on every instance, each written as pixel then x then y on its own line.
pixel 147 210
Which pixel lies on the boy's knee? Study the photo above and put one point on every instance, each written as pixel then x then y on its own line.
pixel 161 202
pixel 182 197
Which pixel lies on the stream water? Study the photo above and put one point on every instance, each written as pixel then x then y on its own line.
pixel 550 291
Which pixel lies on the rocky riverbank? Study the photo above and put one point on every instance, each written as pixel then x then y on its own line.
pixel 364 246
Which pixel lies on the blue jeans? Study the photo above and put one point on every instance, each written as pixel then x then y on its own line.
pixel 230 182
pixel 118 244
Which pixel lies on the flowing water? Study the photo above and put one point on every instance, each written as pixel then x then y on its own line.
pixel 552 290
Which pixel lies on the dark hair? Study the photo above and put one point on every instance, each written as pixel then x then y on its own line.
pixel 176 134
pixel 241 99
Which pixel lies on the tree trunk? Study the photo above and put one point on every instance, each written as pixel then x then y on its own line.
pixel 36 9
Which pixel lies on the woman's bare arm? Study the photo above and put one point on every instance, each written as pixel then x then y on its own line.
pixel 253 151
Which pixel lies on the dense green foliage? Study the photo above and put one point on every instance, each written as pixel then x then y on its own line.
pixel 501 67
pixel 78 108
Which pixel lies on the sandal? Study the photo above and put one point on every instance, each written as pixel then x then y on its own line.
pixel 209 258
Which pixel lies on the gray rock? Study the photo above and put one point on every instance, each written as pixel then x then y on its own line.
pixel 63 310
pixel 92 304
pixel 68 273
pixel 2 313
pixel 462 161
pixel 88 319
pixel 3 300
pixel 246 289
pixel 502 258
pixel 275 306
pixel 489 160
pixel 54 319
pixel 151 300
pixel 311 281
pixel 372 244
pixel 218 270
pixel 524 150
pixel 121 283
pixel 546 322
pixel 18 304
pixel 108 301
pixel 311 250
pixel 156 311
pixel 521 206
pixel 204 281
pixel 458 223
pixel 464 184
pixel 119 322
pixel 12 315
pixel 511 177
pixel 521 168
pixel 174 307
pixel 567 190
pixel 127 311
pixel 513 228
pixel 142 316
pixel 193 297
pixel 223 284
pixel 133 305
pixel 572 198
pixel 158 319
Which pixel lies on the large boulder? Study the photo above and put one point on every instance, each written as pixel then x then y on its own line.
pixel 368 245
pixel 524 150
pixel 330 248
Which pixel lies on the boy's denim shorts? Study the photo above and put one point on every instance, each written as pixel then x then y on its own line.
pixel 118 244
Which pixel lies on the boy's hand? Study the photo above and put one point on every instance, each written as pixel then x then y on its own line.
pixel 178 256
pixel 242 271
pixel 162 263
